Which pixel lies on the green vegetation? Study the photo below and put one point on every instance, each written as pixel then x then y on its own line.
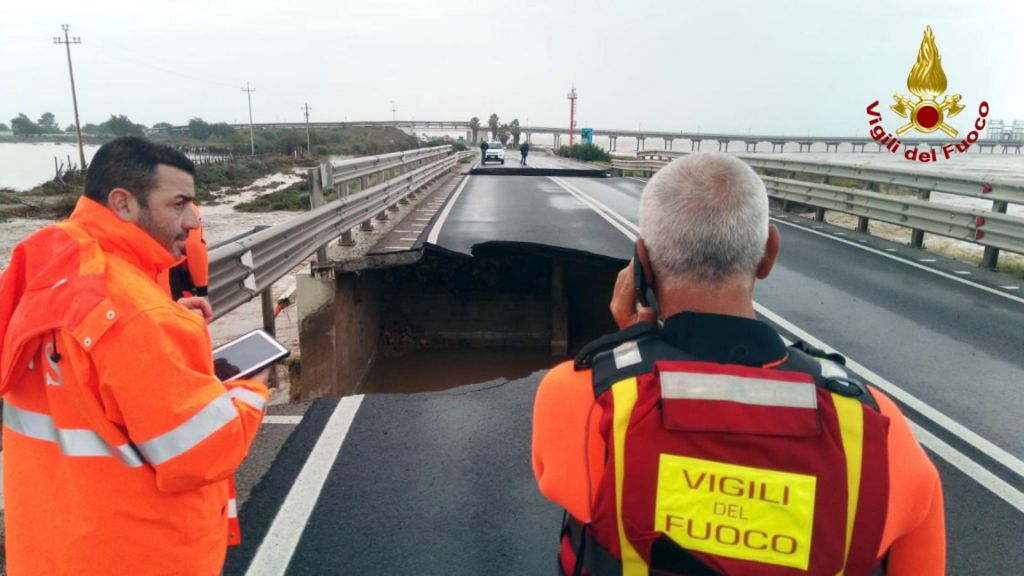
pixel 1012 268
pixel 294 197
pixel 221 138
pixel 585 153
pixel 237 174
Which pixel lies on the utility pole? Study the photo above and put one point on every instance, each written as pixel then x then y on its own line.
pixel 572 115
pixel 306 108
pixel 392 110
pixel 252 133
pixel 67 42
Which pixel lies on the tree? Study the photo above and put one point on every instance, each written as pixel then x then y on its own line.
pixel 493 123
pixel 90 129
pixel 474 127
pixel 221 130
pixel 514 128
pixel 163 126
pixel 23 126
pixel 3 127
pixel 503 134
pixel 48 123
pixel 121 126
pixel 199 129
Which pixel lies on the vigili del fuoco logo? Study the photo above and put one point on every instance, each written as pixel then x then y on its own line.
pixel 927 82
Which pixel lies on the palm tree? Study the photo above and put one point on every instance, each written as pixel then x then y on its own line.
pixel 474 127
pixel 513 127
pixel 493 123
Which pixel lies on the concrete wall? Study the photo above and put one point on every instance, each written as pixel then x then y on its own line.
pixel 339 333
pixel 504 299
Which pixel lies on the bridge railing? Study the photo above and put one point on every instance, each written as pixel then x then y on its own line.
pixel 815 184
pixel 249 266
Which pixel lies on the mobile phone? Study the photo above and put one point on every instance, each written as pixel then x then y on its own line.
pixel 247 355
pixel 639 279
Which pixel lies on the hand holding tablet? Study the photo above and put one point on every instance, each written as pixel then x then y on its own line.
pixel 247 355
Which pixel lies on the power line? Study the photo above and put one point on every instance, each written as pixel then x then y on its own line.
pixel 252 131
pixel 67 42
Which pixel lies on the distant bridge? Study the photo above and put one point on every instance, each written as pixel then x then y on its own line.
pixel 750 141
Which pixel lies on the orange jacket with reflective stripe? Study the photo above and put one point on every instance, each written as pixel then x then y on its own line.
pixel 118 440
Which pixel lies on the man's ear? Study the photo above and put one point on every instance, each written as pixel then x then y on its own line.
pixel 771 251
pixel 124 204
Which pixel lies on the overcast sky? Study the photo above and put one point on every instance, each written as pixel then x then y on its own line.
pixel 725 66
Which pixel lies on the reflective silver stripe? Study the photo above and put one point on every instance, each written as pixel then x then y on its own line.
pixel 753 391
pixel 626 354
pixel 76 442
pixel 830 369
pixel 206 422
pixel 247 396
pixel 232 508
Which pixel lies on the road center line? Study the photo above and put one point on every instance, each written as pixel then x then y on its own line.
pixel 278 546
pixel 954 457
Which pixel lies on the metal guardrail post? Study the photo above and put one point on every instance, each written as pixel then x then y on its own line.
pixel 316 200
pixel 991 256
pixel 267 300
pixel 819 213
pixel 917 236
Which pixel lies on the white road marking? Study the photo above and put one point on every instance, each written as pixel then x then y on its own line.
pixel 997 485
pixel 269 419
pixel 980 475
pixel 278 546
pixel 909 263
pixel 962 272
pixel 436 230
pixel 926 259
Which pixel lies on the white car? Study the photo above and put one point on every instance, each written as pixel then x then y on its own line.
pixel 495 152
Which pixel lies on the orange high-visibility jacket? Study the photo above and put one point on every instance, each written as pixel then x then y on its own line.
pixel 118 441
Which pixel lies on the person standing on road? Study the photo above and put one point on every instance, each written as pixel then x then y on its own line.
pixel 119 441
pixel 524 149
pixel 704 445
pixel 483 151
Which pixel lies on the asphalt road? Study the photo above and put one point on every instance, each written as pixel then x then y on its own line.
pixel 439 483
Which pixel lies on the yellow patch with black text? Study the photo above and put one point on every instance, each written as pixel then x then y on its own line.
pixel 734 511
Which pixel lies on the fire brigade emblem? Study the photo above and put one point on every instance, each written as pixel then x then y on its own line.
pixel 927 81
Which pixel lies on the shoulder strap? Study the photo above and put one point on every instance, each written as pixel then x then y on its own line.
pixel 829 372
pixel 585 357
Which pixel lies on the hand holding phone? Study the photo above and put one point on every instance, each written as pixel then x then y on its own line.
pixel 626 306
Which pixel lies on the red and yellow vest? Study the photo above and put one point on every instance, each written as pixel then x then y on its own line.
pixel 730 469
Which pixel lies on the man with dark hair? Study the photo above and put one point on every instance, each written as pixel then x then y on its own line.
pixel 119 441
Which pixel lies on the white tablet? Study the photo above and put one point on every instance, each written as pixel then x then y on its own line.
pixel 247 355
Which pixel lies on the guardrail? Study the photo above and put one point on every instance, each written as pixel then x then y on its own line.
pixel 249 266
pixel 813 184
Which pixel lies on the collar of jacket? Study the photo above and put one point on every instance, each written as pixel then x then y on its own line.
pixel 725 339
pixel 124 239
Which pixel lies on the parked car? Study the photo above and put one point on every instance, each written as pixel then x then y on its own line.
pixel 495 152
